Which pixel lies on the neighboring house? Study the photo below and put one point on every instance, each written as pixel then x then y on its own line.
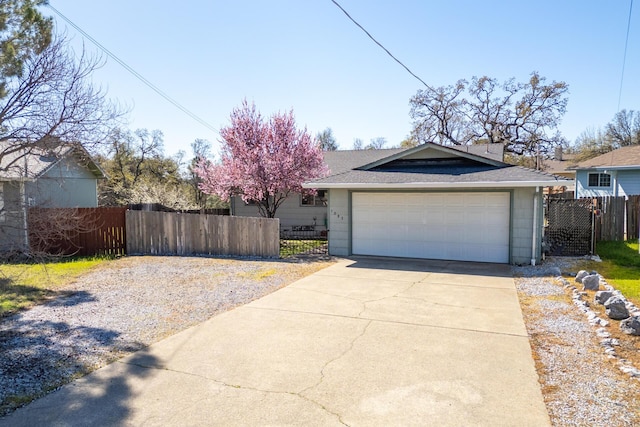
pixel 616 173
pixel 300 214
pixel 437 202
pixel 60 175
pixel 561 164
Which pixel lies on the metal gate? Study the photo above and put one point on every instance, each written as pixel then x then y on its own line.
pixel 569 229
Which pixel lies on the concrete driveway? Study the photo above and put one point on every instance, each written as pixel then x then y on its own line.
pixel 367 341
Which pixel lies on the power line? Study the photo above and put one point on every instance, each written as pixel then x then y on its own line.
pixel 379 44
pixel 134 72
pixel 624 58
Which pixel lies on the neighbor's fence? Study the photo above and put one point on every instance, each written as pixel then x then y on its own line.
pixel 573 226
pixel 157 207
pixel 77 231
pixel 167 233
pixel 633 217
pixel 303 240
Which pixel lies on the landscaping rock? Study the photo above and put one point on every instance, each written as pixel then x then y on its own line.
pixel 631 325
pixel 591 282
pixel 554 271
pixel 602 296
pixel 616 308
pixel 581 275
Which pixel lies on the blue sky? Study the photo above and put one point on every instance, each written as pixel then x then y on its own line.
pixel 307 56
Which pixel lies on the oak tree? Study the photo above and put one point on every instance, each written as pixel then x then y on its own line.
pixel 524 117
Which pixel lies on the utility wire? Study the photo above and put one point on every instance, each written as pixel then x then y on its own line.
pixel 379 44
pixel 134 72
pixel 624 58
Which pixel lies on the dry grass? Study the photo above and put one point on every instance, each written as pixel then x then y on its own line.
pixel 565 371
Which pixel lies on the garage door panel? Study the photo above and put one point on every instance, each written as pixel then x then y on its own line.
pixel 457 226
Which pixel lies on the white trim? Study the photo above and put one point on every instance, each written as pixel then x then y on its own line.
pixel 605 167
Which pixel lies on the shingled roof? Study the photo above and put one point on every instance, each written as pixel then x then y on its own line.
pixel 404 168
pixel 18 162
pixel 621 157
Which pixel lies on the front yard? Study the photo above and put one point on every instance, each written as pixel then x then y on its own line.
pixel 23 285
pixel 97 311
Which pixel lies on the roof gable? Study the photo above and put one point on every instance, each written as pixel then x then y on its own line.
pixel 429 166
pixel 33 161
pixel 431 155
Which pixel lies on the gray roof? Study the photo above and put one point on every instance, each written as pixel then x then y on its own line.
pixel 351 169
pixel 345 160
pixel 22 161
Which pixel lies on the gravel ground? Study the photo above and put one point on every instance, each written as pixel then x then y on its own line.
pixel 582 385
pixel 133 302
pixel 121 307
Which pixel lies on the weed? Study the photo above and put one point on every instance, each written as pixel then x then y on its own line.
pixel 23 285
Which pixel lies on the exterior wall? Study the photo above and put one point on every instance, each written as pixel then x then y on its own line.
pixel 12 225
pixel 291 212
pixel 66 185
pixel 339 222
pixel 628 182
pixel 583 189
pixel 623 183
pixel 521 224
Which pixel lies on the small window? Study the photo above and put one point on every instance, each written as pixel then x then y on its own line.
pixel 599 180
pixel 320 199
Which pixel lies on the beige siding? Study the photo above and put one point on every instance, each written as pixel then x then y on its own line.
pixel 339 222
pixel 290 213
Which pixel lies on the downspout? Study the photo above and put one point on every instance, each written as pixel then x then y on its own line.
pixel 534 238
pixel 25 211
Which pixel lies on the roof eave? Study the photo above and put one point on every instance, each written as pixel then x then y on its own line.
pixel 605 167
pixel 440 185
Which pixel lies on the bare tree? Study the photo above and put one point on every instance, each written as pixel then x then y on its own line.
pixel 438 113
pixel 624 129
pixel 55 98
pixel 524 117
pixel 47 101
pixel 376 143
pixel 327 140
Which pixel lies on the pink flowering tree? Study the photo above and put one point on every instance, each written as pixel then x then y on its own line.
pixel 262 161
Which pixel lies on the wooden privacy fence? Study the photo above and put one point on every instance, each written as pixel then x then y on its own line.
pixel 633 217
pixel 77 231
pixel 168 233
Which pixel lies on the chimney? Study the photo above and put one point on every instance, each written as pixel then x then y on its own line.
pixel 557 155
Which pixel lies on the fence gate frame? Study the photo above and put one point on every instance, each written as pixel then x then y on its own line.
pixel 611 219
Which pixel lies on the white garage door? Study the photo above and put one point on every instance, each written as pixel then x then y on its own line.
pixel 451 226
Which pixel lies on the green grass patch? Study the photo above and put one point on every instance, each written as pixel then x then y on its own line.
pixel 295 247
pixel 23 285
pixel 620 266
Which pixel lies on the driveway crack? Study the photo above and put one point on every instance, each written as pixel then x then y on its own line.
pixel 255 389
pixel 335 359
pixel 396 295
